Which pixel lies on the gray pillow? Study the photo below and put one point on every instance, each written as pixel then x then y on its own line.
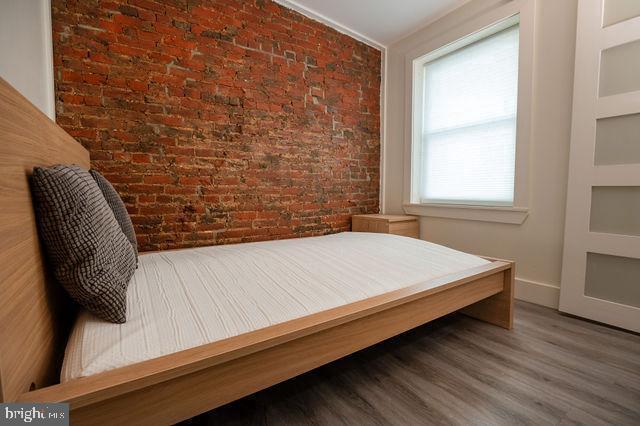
pixel 117 206
pixel 86 248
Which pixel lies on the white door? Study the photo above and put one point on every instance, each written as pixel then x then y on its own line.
pixel 601 264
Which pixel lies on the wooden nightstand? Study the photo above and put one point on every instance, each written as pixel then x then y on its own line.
pixel 386 224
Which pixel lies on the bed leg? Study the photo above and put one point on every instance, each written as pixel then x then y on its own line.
pixel 497 309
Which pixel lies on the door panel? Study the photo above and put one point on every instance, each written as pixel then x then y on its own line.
pixel 619 69
pixel 603 269
pixel 617 140
pixel 620 10
pixel 614 210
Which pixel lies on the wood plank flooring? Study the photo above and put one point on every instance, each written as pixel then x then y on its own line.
pixel 549 370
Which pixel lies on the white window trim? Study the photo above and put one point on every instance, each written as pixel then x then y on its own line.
pixel 517 213
pixel 512 215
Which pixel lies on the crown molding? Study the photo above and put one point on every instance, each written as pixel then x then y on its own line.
pixel 316 16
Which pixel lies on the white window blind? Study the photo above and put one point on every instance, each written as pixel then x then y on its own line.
pixel 469 123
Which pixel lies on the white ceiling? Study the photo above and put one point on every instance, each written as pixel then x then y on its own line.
pixel 377 22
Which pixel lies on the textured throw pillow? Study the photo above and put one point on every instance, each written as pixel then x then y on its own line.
pixel 117 206
pixel 88 252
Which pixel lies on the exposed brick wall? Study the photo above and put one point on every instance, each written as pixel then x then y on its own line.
pixel 220 121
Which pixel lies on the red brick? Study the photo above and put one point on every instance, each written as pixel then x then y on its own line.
pixel 158 179
pixel 70 76
pixel 94 78
pixel 71 99
pixel 140 158
pixel 138 86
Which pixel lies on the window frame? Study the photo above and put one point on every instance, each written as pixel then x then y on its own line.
pixel 519 12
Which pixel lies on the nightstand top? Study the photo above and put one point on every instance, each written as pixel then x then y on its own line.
pixel 387 217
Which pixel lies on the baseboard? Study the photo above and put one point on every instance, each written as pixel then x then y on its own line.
pixel 538 293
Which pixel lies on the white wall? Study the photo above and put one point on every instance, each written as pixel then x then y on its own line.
pixel 535 245
pixel 26 50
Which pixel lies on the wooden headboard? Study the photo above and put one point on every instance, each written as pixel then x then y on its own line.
pixel 34 311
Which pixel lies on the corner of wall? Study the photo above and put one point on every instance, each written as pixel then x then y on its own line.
pixel 383 126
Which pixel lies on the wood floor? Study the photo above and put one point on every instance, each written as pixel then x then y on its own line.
pixel 551 369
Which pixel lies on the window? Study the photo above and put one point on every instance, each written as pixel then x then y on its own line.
pixel 465 110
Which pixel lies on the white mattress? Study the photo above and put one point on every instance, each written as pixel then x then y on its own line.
pixel 186 298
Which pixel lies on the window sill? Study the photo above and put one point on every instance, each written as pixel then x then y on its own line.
pixel 511 215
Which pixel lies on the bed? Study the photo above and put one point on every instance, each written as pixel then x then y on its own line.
pixel 229 336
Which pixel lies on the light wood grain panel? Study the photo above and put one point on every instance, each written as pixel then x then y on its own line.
pixel 498 309
pixel 407 229
pixel 389 218
pixel 407 226
pixel 32 310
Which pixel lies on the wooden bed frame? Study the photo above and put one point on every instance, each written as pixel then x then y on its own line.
pixel 35 315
